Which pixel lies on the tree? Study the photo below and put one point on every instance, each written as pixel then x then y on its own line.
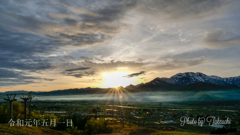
pixel 80 121
pixel 18 111
pixel 95 111
pixel 4 113
pixel 94 126
pixel 36 115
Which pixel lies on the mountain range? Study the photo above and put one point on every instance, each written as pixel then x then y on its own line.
pixel 188 81
pixel 191 77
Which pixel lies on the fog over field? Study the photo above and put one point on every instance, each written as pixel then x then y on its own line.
pixel 166 96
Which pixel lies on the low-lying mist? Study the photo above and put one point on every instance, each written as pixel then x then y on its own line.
pixel 166 96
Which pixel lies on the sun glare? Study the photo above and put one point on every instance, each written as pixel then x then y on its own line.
pixel 117 79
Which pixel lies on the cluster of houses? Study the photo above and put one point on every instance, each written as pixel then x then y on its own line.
pixel 160 116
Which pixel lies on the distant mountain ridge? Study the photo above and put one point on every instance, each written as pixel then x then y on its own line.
pixel 14 92
pixel 189 81
pixel 18 92
pixel 189 87
pixel 191 77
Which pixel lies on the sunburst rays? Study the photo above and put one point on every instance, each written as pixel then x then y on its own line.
pixel 117 79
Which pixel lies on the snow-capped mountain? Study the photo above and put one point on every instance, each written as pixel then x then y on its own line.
pixel 182 79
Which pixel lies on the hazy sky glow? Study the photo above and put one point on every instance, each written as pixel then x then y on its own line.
pixel 60 44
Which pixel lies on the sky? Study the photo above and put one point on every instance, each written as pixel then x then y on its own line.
pixel 59 44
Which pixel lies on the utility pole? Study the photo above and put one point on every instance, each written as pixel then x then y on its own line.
pixel 113 110
pixel 122 117
pixel 10 98
pixel 30 96
pixel 25 107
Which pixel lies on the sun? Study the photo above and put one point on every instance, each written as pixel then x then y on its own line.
pixel 117 79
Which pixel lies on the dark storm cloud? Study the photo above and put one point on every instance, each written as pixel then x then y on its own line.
pixel 76 69
pixel 135 74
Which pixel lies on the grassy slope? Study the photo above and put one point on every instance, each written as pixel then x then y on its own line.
pixel 5 129
pixel 133 130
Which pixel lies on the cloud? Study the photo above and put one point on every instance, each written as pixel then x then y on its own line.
pixel 135 74
pixel 99 66
pixel 11 78
pixel 220 39
pixel 71 22
pixel 67 18
pixel 4 73
pixel 98 63
pixel 171 64
pixel 76 69
pixel 48 79
pixel 92 66
pixel 29 35
pixel 39 36
pixel 179 9
pixel 112 12
pixel 85 39
pixel 79 74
